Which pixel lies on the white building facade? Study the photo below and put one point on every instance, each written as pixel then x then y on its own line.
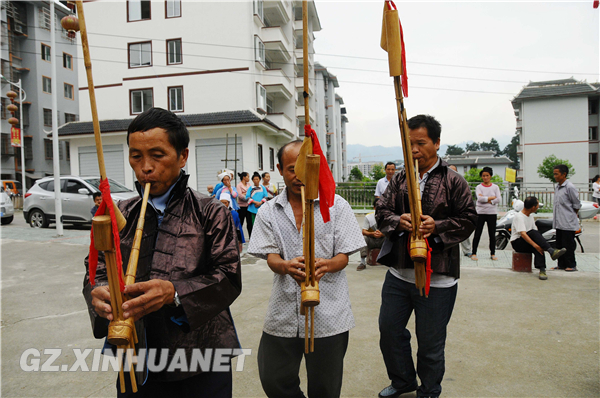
pixel 560 118
pixel 233 71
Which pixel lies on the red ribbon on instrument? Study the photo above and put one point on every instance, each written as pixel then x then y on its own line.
pixel 326 181
pixel 93 259
pixel 596 3
pixel 391 4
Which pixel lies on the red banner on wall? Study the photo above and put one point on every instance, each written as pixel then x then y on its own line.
pixel 15 137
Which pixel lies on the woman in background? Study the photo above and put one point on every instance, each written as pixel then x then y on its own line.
pixel 256 196
pixel 242 188
pixel 271 188
pixel 488 197
pixel 596 188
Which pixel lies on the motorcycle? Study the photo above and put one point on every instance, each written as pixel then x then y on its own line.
pixel 544 226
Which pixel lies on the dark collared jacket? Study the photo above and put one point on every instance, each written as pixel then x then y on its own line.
pixel 195 247
pixel 447 199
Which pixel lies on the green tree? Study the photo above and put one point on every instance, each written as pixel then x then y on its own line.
pixel 474 146
pixel 491 146
pixel 356 174
pixel 454 150
pixel 377 172
pixel 546 169
pixel 510 151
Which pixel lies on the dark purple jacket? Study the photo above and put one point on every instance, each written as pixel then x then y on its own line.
pixel 195 247
pixel 447 199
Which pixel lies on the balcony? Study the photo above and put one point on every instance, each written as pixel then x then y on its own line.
pixel 275 76
pixel 519 123
pixel 300 86
pixel 274 33
pixel 300 115
pixel 283 121
pixel 278 91
pixel 276 51
pixel 275 12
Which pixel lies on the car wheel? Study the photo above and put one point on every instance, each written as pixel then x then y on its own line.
pixel 37 219
pixel 7 220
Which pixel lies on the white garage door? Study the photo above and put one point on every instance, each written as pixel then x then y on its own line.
pixel 210 155
pixel 113 161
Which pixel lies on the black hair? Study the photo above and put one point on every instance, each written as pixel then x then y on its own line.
pixel 434 128
pixel 562 169
pixel 282 150
pixel 96 195
pixel 530 201
pixel 596 178
pixel 389 163
pixel 178 134
pixel 242 174
pixel 265 173
pixel 375 202
pixel 255 175
pixel 486 170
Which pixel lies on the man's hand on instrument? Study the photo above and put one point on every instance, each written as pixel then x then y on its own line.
pixel 427 226
pixel 295 269
pixel 101 302
pixel 332 265
pixel 321 268
pixel 148 296
pixel 405 223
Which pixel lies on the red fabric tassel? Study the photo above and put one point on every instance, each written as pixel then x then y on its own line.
pixel 596 3
pixel 404 75
pixel 93 259
pixel 326 182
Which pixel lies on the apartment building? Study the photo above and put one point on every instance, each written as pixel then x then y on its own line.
pixel 558 117
pixel 27 55
pixel 233 71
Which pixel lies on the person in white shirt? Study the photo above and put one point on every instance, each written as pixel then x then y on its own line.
pixel 382 184
pixel 525 237
pixel 373 238
pixel 596 188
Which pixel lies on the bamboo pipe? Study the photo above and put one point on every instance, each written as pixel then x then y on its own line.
pixel 305 55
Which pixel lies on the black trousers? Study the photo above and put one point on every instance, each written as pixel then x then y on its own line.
pixel 203 385
pixel 482 219
pixel 566 239
pixel 246 215
pixel 522 246
pixel 279 361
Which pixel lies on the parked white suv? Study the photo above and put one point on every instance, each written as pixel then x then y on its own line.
pixel 76 196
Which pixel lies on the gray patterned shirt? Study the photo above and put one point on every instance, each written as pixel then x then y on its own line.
pixel 566 202
pixel 275 232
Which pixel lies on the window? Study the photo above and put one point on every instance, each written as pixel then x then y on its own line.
pixel 46 53
pixel 140 54
pixel 593 160
pixel 28 147
pixel 44 18
pixel 272 159
pixel 68 150
pixel 173 8
pixel 67 61
pixel 47 186
pixel 174 51
pixel 259 50
pixel 48 117
pixel 5 111
pixel 5 144
pixel 593 106
pixel 68 91
pixel 138 10
pixel 141 100
pixel 593 133
pixel 48 149
pixel 69 117
pixel 260 157
pixel 258 9
pixel 269 105
pixel 73 186
pixel 261 98
pixel 176 99
pixel 46 85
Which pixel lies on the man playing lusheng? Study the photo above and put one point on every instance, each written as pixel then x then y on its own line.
pixel 189 269
pixel 448 218
pixel 525 237
pixel 277 237
pixel 566 207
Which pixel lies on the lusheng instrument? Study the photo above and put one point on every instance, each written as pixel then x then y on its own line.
pixel 392 42
pixel 108 222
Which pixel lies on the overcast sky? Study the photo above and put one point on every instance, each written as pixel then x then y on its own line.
pixel 505 44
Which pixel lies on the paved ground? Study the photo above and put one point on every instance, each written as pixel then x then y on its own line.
pixel 511 335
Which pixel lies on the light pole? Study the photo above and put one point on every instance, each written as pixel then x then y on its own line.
pixel 22 96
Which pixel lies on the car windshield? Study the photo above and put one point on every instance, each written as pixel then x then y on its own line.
pixel 115 187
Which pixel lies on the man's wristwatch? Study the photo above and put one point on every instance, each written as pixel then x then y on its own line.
pixel 176 301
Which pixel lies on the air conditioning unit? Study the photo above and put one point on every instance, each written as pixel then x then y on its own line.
pixel 18 28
